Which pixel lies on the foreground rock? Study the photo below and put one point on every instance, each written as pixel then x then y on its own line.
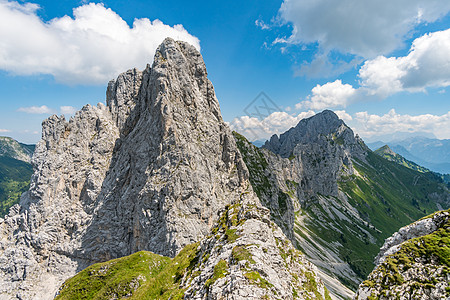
pixel 414 263
pixel 246 257
pixel 149 171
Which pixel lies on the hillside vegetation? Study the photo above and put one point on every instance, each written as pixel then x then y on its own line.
pixel 14 180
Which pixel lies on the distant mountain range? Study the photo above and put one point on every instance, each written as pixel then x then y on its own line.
pixel 433 154
pixel 390 155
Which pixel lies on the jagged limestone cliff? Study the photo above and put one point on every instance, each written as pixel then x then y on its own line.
pixel 148 171
pixel 414 263
pixel 334 198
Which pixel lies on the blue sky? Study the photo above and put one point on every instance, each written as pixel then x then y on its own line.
pixel 383 66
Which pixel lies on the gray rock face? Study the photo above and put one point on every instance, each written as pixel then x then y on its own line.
pixel 298 182
pixel 149 171
pixel 412 263
pixel 313 129
pixel 38 237
pixel 321 150
pixel 335 199
pixel 249 257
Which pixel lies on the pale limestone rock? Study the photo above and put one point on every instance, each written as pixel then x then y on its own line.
pixel 302 167
pixel 258 262
pixel 149 171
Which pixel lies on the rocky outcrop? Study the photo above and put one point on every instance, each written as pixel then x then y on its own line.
pixel 413 263
pixel 249 257
pixel 39 237
pixel 300 170
pixel 149 171
pixel 245 256
pixel 314 129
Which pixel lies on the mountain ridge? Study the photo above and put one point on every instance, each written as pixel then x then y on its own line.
pixel 427 152
pixel 12 148
pixel 387 153
pixel 149 171
pixel 157 169
pixel 333 196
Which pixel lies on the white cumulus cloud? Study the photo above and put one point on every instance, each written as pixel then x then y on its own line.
pixel 91 48
pixel 331 94
pixel 427 65
pixel 36 110
pixel 276 123
pixel 67 110
pixel 343 115
pixel 365 28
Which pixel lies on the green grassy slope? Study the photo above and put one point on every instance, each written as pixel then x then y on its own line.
pixel 428 254
pixel 387 196
pixel 142 275
pixel 390 195
pixel 388 154
pixel 14 180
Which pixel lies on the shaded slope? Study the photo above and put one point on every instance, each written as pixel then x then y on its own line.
pixel 14 180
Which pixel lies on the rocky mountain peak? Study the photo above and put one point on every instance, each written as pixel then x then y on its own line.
pixel 309 130
pixel 148 171
pixel 385 150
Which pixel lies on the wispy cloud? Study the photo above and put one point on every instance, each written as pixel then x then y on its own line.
pixel 259 23
pixel 91 48
pixel 275 123
pixel 4 130
pixel 36 110
pixel 67 110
